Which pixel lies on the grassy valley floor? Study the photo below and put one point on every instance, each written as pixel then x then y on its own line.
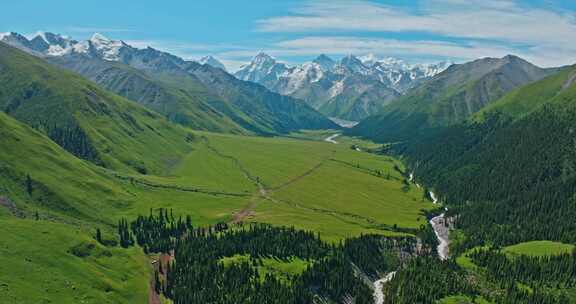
pixel 308 183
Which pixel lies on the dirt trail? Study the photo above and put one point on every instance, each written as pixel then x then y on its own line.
pixel 153 297
pixel 178 188
pixel 306 173
pixel 262 193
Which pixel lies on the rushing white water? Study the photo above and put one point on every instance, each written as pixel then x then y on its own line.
pixel 442 233
pixel 330 138
pixel 378 293
pixel 434 198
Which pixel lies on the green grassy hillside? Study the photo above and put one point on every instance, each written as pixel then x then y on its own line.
pixel 223 178
pixel 514 161
pixel 181 101
pixel 449 98
pixel 87 121
pixel 531 97
pixel 539 248
pixel 195 95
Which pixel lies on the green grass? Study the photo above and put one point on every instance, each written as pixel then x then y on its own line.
pixel 539 248
pixel 280 268
pixel 37 266
pixel 327 188
pixel 526 99
pixel 459 299
pixel 123 135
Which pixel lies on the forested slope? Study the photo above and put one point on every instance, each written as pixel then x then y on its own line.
pixel 516 163
pixel 84 119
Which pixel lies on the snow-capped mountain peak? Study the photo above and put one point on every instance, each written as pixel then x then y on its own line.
pixel 109 49
pixel 351 64
pixel 98 39
pixel 325 62
pixel 262 59
pixel 262 67
pixel 331 86
pixel 212 61
pixel 368 59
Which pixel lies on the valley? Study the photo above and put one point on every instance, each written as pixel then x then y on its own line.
pixel 307 184
pixel 295 152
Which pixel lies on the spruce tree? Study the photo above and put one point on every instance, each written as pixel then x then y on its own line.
pixel 29 188
pixel 99 235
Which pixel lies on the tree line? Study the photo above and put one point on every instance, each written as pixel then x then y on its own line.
pixel 197 275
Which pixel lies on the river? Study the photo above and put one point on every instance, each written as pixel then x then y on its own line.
pixel 442 233
pixel 378 293
pixel 331 138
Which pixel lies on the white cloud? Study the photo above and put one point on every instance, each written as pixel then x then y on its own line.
pixel 83 29
pixel 478 22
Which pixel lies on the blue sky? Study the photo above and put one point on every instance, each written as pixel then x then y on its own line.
pixel 295 31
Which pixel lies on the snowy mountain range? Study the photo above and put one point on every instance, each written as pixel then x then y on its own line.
pixel 201 95
pixel 46 44
pixel 351 88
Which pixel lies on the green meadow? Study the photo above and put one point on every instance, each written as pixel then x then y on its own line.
pixel 303 182
pixel 539 248
pixel 282 269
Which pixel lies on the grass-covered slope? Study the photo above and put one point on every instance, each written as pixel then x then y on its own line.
pixel 254 107
pixel 195 95
pixel 186 103
pixel 449 98
pixel 363 98
pixel 84 119
pixel 224 178
pixel 46 262
pixel 38 257
pixel 516 161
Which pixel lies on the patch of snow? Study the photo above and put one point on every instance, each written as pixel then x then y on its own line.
pixel 2 35
pixel 109 49
pixel 81 47
pixel 212 61
pixel 336 89
pixel 56 50
pixel 343 123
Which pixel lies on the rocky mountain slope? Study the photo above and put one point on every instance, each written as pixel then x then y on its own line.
pixel 173 86
pixel 351 88
pixel 87 121
pixel 449 97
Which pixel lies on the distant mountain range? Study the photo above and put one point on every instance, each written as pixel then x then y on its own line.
pixel 449 98
pixel 351 88
pixel 84 119
pixel 199 95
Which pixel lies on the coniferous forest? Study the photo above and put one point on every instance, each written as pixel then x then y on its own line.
pixel 192 270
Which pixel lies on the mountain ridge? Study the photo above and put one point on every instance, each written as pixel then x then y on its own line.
pixel 351 88
pixel 170 87
pixel 449 97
